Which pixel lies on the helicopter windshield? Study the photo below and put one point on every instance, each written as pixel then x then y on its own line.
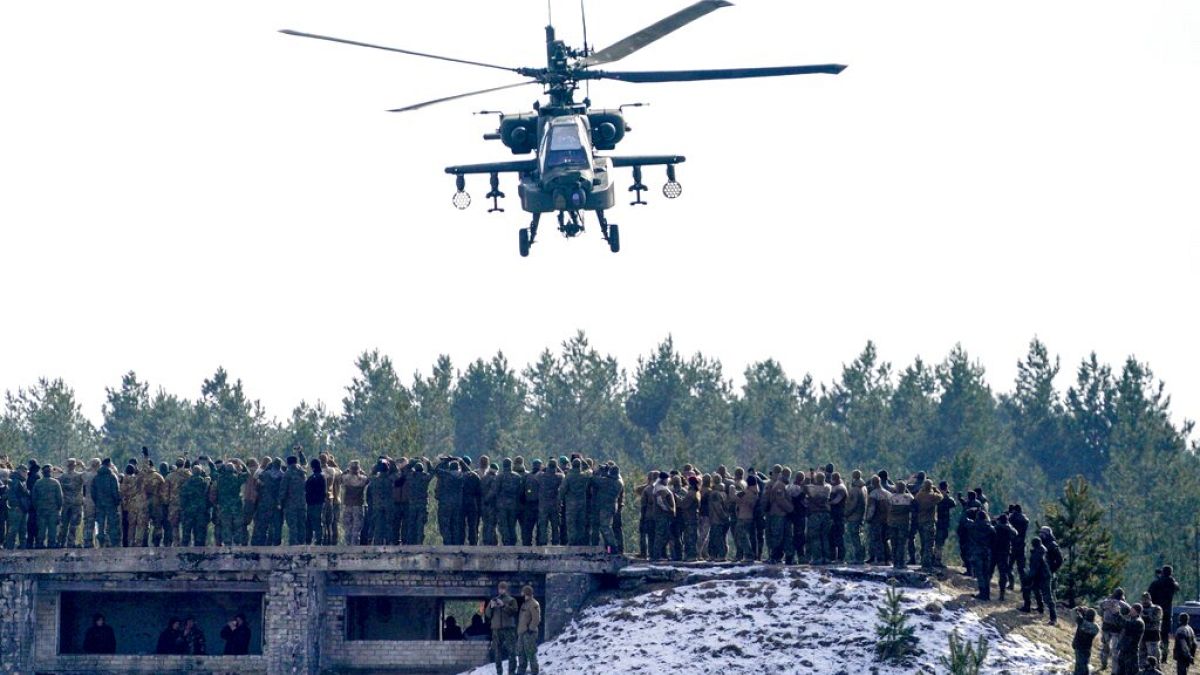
pixel 565 148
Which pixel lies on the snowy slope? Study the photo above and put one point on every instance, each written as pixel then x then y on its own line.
pixel 785 621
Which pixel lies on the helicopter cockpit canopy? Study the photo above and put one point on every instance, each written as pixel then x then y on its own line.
pixel 565 145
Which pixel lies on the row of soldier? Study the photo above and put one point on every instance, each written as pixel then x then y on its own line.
pixel 566 501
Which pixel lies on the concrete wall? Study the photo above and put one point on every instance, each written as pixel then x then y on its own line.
pixel 304 601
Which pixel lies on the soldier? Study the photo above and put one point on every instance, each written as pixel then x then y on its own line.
pixel 266 508
pixel 129 502
pixel 508 486
pixel 416 496
pixel 878 501
pixel 89 506
pixel 106 494
pixel 1020 523
pixel 35 474
pixel 899 517
pixel 1185 645
pixel 489 488
pixel 399 505
pixel 316 493
pixel 154 485
pixel 837 517
pixel 353 485
pixel 501 613
pixel 927 499
pixel 856 507
pixel 449 494
pixel 1162 591
pixel 530 503
pixel 20 505
pixel 799 516
pixel 292 501
pixel 72 513
pixel 1085 633
pixel 472 498
pixel 1111 610
pixel 1132 630
pixel 1037 583
pixel 646 520
pixel 618 526
pixel 137 505
pixel 229 502
pixel 572 496
pixel 331 513
pixel 1001 552
pixel 249 498
pixel 379 505
pixel 816 501
pixel 744 528
pixel 47 504
pixel 548 487
pixel 175 481
pixel 688 510
pixel 193 504
pixel 981 536
pixel 1152 615
pixel 779 514
pixel 529 618
pixel 942 531
pixel 719 517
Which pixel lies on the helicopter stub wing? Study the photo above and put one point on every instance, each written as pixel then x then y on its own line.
pixel 646 160
pixel 518 166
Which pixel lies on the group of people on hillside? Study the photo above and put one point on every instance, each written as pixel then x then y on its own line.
pixel 817 517
pixel 1135 638
pixel 230 502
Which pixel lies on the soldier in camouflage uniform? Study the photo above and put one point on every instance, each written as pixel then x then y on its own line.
pixel 927 500
pixel 193 504
pixel 472 494
pixel 501 614
pixel 106 494
pixel 155 487
pixel 267 515
pixel 379 505
pixel 72 513
pixel 608 489
pixel 47 505
pixel 572 497
pixel 529 619
pixel 1152 615
pixel 530 503
pixel 175 480
pixel 89 506
pixel 20 504
pixel 332 513
pixel 779 511
pixel 489 486
pixel 509 486
pixel 548 486
pixel 353 486
pixel 449 495
pixel 229 502
pixel 137 505
pixel 291 500
pixel 416 493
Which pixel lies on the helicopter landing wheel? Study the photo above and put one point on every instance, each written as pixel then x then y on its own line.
pixel 614 238
pixel 523 241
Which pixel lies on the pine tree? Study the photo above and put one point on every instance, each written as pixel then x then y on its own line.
pixel 896 639
pixel 965 658
pixel 1091 567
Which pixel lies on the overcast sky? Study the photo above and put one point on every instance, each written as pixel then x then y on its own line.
pixel 181 187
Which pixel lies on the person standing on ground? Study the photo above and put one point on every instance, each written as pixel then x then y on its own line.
pixel 47 505
pixel 1185 645
pixel 501 614
pixel 1085 635
pixel 529 618
pixel 1162 591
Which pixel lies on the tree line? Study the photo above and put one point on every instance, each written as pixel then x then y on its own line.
pixel 1111 425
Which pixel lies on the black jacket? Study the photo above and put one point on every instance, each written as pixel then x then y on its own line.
pixel 171 641
pixel 237 640
pixel 100 640
pixel 314 490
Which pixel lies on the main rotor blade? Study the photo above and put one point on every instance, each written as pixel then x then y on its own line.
pixel 395 49
pixel 651 33
pixel 457 96
pixel 720 74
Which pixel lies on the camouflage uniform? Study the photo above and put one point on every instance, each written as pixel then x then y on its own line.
pixel 291 500
pixel 20 504
pixel 501 613
pixel 267 516
pixel 449 494
pixel 529 618
pixel 416 493
pixel 379 507
pixel 472 494
pixel 509 486
pixel 608 491
pixel 106 494
pixel 927 500
pixel 193 500
pixel 530 504
pixel 856 505
pixel 353 486
pixel 47 505
pixel 489 486
pixel 229 503
pixel 549 483
pixel 175 481
pixel 816 499
pixel 72 514
pixel 899 516
pixel 331 515
pixel 89 506
pixel 154 486
pixel 779 510
pixel 572 495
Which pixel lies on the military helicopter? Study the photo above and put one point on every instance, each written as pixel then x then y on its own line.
pixel 567 175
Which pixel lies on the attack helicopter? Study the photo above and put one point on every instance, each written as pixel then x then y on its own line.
pixel 567 175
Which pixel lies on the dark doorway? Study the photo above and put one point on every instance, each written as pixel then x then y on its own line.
pixel 137 618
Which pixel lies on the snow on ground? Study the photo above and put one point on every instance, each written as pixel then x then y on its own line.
pixel 793 621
